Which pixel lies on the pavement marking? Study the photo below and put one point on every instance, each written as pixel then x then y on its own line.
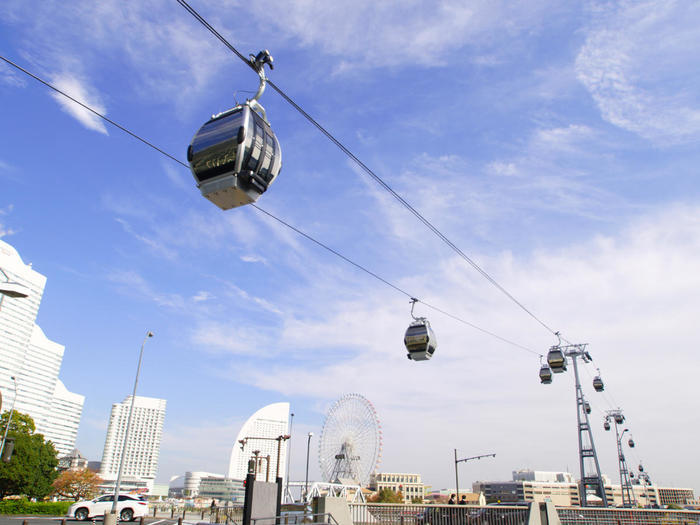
pixel 32 518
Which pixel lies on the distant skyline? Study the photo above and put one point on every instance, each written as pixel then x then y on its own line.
pixel 555 143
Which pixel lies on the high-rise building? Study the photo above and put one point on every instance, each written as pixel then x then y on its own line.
pixel 34 360
pixel 143 444
pixel 260 433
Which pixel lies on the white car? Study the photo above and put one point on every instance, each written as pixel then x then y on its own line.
pixel 129 507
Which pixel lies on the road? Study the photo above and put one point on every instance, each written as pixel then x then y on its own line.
pixel 52 520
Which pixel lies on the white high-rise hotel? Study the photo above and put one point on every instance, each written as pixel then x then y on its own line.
pixel 34 360
pixel 142 447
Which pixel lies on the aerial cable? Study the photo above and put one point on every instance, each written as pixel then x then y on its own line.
pixel 281 221
pixel 367 170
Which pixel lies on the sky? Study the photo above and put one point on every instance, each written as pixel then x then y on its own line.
pixel 556 143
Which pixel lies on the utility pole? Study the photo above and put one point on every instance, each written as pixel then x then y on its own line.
pixel 464 460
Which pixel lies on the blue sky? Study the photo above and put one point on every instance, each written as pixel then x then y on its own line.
pixel 554 142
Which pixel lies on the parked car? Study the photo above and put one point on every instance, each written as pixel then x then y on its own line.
pixel 129 507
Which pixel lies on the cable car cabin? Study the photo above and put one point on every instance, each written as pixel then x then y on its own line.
pixel 631 443
pixel 587 407
pixel 420 340
pixel 598 385
pixel 234 157
pixel 619 419
pixel 606 425
pixel 556 360
pixel 545 375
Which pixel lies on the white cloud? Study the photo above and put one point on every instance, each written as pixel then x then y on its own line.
pixel 9 76
pixel 633 296
pixel 4 229
pixel 134 284
pixel 153 243
pixel 253 259
pixel 167 54
pixel 639 63
pixel 396 34
pixel 81 91
pixel 202 296
pixel 235 338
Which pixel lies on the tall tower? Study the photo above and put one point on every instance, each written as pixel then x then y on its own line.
pixel 557 359
pixel 35 360
pixel 143 444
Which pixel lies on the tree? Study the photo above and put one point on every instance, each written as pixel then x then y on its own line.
pixel 386 496
pixel 32 468
pixel 77 484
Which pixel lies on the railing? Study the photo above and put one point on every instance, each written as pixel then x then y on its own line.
pixel 390 514
pixel 228 515
pixel 588 515
pixel 297 518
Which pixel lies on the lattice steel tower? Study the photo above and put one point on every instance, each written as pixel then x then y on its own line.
pixel 628 499
pixel 588 458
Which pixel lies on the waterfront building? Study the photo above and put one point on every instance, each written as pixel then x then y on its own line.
pixel 259 433
pixel 223 490
pixel 192 481
pixel 410 485
pixel 563 490
pixel 143 444
pixel 33 359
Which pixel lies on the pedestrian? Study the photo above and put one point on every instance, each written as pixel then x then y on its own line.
pixel 453 499
pixel 463 501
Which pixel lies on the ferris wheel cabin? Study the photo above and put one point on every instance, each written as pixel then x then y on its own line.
pixel 234 157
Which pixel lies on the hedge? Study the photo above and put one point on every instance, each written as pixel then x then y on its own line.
pixel 23 506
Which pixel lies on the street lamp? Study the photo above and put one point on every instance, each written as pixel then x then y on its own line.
pixel 9 419
pixel 16 291
pixel 457 461
pixel 306 482
pixel 11 288
pixel 289 453
pixel 111 518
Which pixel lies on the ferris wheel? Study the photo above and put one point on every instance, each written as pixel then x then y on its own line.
pixel 350 447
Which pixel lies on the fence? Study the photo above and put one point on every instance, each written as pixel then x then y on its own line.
pixel 226 515
pixel 577 515
pixel 390 514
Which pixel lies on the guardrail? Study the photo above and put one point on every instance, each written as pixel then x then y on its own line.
pixel 390 514
pixel 227 515
pixel 611 516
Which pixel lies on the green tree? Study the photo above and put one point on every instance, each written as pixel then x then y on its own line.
pixel 32 469
pixel 386 496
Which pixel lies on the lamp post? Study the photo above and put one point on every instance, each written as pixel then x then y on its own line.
pixel 9 419
pixel 111 518
pixel 16 291
pixel 11 288
pixel 306 482
pixel 457 461
pixel 289 453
